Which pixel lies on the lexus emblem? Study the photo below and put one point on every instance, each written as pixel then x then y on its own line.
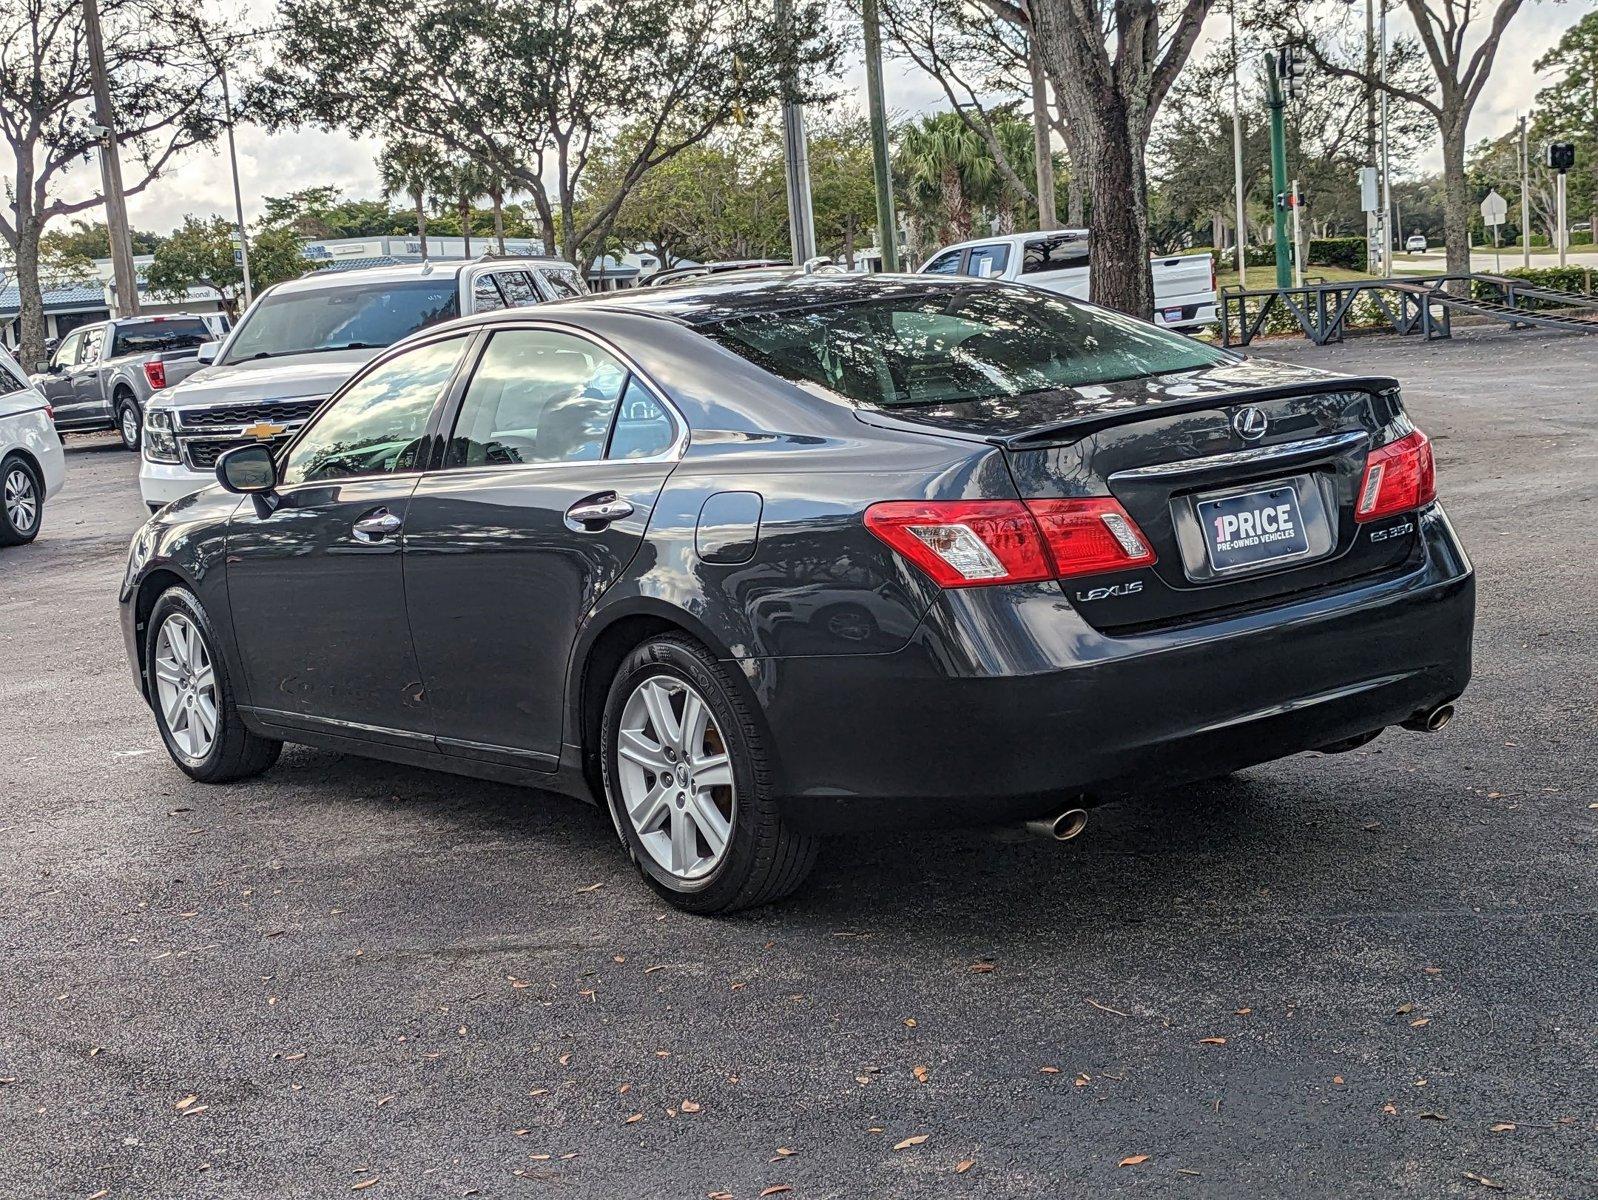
pixel 1250 423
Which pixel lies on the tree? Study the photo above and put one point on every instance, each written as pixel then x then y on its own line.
pixel 1111 63
pixel 1571 103
pixel 1460 54
pixel 200 254
pixel 413 168
pixel 535 89
pixel 322 212
pixel 159 74
pixel 953 185
pixel 91 240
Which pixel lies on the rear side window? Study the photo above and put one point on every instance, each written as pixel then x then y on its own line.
pixel 145 337
pixel 563 282
pixel 537 396
pixel 948 345
pixel 1055 254
pixel 11 379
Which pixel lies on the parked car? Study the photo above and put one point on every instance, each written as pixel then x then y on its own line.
pixel 1415 244
pixel 101 376
pixel 1072 555
pixel 673 275
pixel 301 339
pixel 1184 284
pixel 32 466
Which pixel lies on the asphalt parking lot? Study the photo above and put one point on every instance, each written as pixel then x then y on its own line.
pixel 1374 974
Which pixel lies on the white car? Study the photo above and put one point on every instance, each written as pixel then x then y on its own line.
pixel 1057 261
pixel 1415 243
pixel 32 466
pixel 301 339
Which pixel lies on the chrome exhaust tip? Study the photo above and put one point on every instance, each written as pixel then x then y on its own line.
pixel 1062 827
pixel 1432 721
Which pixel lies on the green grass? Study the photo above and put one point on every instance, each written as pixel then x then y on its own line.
pixel 1265 277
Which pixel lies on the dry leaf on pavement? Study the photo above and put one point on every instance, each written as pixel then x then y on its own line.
pixel 912 1141
pixel 1133 1160
pixel 964 1165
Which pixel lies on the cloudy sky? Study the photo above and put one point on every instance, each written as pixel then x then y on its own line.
pixel 274 165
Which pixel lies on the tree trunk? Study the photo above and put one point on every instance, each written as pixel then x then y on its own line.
pixel 1075 189
pixel 31 350
pixel 1456 203
pixel 1042 151
pixel 421 223
pixel 466 226
pixel 1118 248
pixel 498 198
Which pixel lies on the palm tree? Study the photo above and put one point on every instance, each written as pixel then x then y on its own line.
pixel 414 169
pixel 465 179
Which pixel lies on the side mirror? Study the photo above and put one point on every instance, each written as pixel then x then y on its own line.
pixel 206 351
pixel 247 470
pixel 44 368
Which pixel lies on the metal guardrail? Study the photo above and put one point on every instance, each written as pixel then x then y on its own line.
pixel 1411 304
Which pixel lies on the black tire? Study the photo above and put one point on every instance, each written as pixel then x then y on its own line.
pixel 127 406
pixel 19 481
pixel 235 752
pixel 765 859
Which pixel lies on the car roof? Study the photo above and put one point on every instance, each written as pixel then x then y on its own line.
pixel 1011 239
pixel 402 272
pixel 710 300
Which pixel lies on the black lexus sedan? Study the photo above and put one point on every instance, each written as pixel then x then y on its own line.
pixel 752 563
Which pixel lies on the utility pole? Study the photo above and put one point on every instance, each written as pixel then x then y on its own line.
pixel 1277 103
pixel 1237 162
pixel 1042 150
pixel 1298 235
pixel 238 196
pixel 887 226
pixel 116 208
pixel 796 164
pixel 1525 199
pixel 1387 182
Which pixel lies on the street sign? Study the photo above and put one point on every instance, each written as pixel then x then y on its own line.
pixel 1494 208
pixel 1369 200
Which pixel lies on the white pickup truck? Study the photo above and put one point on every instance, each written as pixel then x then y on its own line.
pixel 1057 261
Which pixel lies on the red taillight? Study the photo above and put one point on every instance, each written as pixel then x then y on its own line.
pixel 964 543
pixel 967 543
pixel 1398 477
pixel 1090 535
pixel 155 372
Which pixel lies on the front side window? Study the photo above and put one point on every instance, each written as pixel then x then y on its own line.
pixel 987 262
pixel 91 345
pixel 519 289
pixel 947 263
pixel 351 316
pixel 485 295
pixel 537 396
pixel 945 346
pixel 66 354
pixel 377 426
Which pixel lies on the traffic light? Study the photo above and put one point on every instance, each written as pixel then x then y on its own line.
pixel 1561 155
pixel 1289 69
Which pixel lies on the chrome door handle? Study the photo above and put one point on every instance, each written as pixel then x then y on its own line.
pixel 376 527
pixel 601 510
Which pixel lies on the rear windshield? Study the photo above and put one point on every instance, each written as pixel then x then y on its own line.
pixel 361 316
pixel 951 345
pixel 142 337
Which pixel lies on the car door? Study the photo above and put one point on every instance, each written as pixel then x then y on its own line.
pixel 552 466
pixel 314 580
pixel 88 392
pixel 59 383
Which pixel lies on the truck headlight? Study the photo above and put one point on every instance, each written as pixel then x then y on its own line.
pixel 160 443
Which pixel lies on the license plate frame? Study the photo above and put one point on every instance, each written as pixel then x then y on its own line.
pixel 1254 529
pixel 1171 314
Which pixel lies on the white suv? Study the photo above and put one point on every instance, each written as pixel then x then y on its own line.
pixel 301 339
pixel 32 466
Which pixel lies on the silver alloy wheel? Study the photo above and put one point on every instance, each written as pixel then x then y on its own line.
pixel 130 425
pixel 185 686
pixel 22 500
pixel 676 777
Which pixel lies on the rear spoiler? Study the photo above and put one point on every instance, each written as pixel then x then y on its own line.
pixel 1075 428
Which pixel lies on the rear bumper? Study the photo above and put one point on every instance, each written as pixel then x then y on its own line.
pixel 1006 703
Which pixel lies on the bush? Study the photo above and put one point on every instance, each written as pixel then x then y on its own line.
pixel 1347 252
pixel 1577 280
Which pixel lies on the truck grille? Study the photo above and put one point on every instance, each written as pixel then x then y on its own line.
pixel 277 412
pixel 202 452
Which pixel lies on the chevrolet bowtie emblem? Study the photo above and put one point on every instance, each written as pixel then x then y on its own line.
pixel 263 430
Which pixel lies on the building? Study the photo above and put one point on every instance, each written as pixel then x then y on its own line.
pixel 82 301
